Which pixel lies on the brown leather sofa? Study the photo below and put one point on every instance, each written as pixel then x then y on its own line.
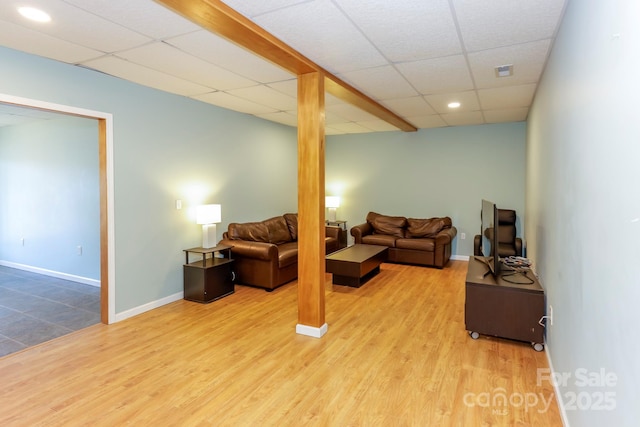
pixel 410 240
pixel 265 253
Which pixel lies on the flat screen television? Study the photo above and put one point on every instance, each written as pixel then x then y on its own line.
pixel 489 246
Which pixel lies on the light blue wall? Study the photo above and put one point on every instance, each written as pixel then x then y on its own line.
pixel 433 172
pixel 583 206
pixel 49 196
pixel 167 147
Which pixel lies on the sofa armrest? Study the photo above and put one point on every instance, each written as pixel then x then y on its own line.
pixel 446 236
pixel 255 250
pixel 332 232
pixel 361 230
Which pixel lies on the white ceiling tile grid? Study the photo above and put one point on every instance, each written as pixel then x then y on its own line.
pixel 411 56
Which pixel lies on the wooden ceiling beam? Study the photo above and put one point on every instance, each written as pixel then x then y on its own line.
pixel 351 95
pixel 217 17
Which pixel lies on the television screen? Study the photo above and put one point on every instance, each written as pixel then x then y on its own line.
pixel 489 246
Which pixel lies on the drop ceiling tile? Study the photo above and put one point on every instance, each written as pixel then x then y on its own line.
pixel 76 26
pixel 224 100
pixel 30 41
pixel 323 33
pixel 378 126
pixel 331 118
pixel 415 105
pixel 145 76
pixel 528 60
pixel 380 83
pixel 217 50
pixel 495 23
pixel 406 30
pixel 468 102
pixel 507 115
pixel 161 56
pixel 11 115
pixel 266 96
pixel 351 113
pixel 426 122
pixel 16 110
pixel 349 127
pixel 328 130
pixel 448 74
pixel 288 118
pixel 143 16
pixel 506 97
pixel 288 87
pixel 253 8
pixel 463 119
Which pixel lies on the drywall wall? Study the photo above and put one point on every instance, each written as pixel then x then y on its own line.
pixel 49 196
pixel 432 172
pixel 583 209
pixel 167 148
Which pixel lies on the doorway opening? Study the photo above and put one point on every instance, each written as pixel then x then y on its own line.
pixel 106 195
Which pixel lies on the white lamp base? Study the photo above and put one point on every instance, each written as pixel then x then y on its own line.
pixel 332 214
pixel 209 236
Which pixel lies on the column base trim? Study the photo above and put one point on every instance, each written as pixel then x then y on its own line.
pixel 312 331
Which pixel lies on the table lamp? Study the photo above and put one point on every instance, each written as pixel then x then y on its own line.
pixel 208 216
pixel 332 202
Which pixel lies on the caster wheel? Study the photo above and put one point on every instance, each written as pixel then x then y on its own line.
pixel 474 335
pixel 537 346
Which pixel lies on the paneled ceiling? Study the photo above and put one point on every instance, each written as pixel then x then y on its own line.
pixel 414 57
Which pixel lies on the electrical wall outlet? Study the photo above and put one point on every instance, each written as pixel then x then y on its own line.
pixel 550 315
pixel 463 236
pixel 79 250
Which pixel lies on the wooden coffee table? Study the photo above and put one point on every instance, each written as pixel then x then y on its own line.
pixel 356 264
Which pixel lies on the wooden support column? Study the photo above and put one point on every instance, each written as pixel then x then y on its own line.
pixel 311 246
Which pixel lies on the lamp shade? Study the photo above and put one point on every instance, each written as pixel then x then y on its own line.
pixel 208 214
pixel 332 201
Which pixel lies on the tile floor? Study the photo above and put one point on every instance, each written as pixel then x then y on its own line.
pixel 36 308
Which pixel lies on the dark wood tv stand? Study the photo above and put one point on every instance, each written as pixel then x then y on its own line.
pixel 495 306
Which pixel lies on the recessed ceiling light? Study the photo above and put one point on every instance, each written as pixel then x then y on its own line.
pixel 34 14
pixel 453 105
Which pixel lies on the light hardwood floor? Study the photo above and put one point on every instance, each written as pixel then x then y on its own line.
pixel 396 354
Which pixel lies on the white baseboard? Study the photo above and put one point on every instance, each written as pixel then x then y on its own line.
pixel 311 331
pixel 148 306
pixel 460 257
pixel 51 273
pixel 556 390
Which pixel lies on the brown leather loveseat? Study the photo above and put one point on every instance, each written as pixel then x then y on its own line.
pixel 410 240
pixel 266 252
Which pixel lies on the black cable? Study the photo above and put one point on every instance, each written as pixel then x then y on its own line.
pixel 514 272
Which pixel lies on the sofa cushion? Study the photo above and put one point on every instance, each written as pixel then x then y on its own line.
pixel 424 227
pixel 273 230
pixel 292 223
pixel 418 244
pixel 251 231
pixel 385 224
pixel 278 230
pixel 380 239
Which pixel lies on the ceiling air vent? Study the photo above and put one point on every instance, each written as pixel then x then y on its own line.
pixel 504 70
